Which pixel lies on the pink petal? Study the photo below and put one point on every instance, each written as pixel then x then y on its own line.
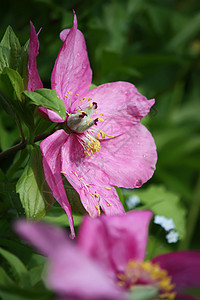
pixel 129 159
pixel 72 70
pixel 88 180
pixel 183 267
pixel 44 238
pixel 51 149
pixel 68 266
pixel 115 240
pixel 121 104
pixel 34 81
pixel 73 273
pixel 52 115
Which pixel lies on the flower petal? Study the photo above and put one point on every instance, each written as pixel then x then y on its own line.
pixel 51 149
pixel 115 240
pixel 183 267
pixel 44 238
pixel 88 180
pixel 129 159
pixel 68 266
pixel 72 72
pixel 34 81
pixel 121 105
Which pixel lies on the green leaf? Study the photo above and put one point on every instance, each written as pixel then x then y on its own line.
pixel 10 50
pixel 35 195
pixel 144 292
pixel 16 82
pixel 164 203
pixel 17 266
pixel 49 99
pixel 4 278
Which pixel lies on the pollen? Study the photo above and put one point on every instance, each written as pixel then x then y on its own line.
pixel 107 188
pixel 101 114
pixel 91 105
pixel 108 204
pixel 96 195
pixel 102 120
pixel 76 174
pixel 89 98
pixel 77 95
pixel 88 185
pixel 103 134
pixel 70 93
pixel 137 271
pixel 98 209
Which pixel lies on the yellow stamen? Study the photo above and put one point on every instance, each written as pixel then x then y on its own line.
pixel 76 174
pixel 135 271
pixel 91 194
pixel 102 120
pixel 88 121
pixel 109 204
pixel 102 134
pixel 89 98
pixel 91 105
pixel 77 95
pixel 81 178
pixel 62 172
pixel 66 96
pixel 96 195
pixel 97 207
pixel 107 188
pixel 70 93
pixel 101 114
pixel 88 185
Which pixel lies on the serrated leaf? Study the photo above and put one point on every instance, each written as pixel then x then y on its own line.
pixel 17 266
pixel 49 99
pixel 164 203
pixel 35 194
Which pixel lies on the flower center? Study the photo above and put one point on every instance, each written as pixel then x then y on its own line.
pixel 147 273
pixel 81 120
pixel 81 123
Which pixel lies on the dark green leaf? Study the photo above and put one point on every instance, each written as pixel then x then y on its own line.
pixel 49 99
pixel 17 266
pixel 35 195
pixel 10 53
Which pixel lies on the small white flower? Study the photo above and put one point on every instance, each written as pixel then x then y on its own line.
pixel 172 236
pixel 166 223
pixel 132 201
pixel 159 220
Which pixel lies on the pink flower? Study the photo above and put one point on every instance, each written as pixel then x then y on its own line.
pixel 102 143
pixel 108 259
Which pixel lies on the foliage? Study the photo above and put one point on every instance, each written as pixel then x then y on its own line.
pixel 152 44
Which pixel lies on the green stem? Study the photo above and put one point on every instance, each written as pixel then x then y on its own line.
pixel 23 144
pixel 21 130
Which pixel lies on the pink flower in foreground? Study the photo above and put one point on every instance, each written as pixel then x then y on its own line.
pixel 102 143
pixel 108 259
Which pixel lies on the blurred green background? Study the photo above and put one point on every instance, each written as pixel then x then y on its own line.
pixel 156 46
